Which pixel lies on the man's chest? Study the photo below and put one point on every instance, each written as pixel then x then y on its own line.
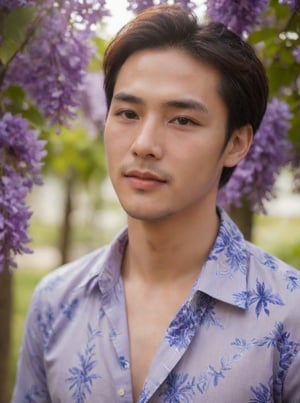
pixel 189 361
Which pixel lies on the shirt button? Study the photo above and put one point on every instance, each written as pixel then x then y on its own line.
pixel 121 392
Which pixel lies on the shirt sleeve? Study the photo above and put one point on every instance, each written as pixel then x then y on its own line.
pixel 31 384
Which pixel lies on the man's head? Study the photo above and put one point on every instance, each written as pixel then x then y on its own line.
pixel 243 84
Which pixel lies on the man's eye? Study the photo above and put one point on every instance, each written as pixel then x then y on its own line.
pixel 128 114
pixel 184 121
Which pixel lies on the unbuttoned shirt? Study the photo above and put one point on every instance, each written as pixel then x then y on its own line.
pixel 236 339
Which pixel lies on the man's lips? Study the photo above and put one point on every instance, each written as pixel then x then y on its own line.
pixel 144 175
pixel 144 180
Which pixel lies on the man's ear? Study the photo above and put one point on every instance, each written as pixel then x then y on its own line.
pixel 238 145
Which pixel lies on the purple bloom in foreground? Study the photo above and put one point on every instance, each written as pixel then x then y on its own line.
pixel 255 176
pixel 93 104
pixel 239 16
pixel 21 154
pixel 53 66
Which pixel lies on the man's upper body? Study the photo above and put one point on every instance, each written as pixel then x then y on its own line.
pixel 236 338
pixel 179 308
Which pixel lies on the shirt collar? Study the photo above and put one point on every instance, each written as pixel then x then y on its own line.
pixel 110 271
pixel 223 276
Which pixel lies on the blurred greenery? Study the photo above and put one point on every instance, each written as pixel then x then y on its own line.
pixel 278 235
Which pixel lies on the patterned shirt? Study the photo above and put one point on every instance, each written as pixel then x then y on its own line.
pixel 236 339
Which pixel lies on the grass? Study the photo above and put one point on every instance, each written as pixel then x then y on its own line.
pixel 279 236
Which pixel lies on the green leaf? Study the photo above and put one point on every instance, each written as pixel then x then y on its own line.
pixel 263 35
pixel 16 24
pixel 7 49
pixel 14 30
pixel 17 95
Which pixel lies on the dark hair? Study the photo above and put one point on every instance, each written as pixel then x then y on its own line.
pixel 243 83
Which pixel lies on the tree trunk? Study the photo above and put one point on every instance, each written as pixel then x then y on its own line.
pixel 243 217
pixel 66 231
pixel 5 331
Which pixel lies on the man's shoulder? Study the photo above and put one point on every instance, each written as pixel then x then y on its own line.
pixel 268 272
pixel 72 276
pixel 267 260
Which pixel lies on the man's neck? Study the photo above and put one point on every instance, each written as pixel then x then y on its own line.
pixel 171 249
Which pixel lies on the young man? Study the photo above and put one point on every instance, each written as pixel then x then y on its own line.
pixel 179 307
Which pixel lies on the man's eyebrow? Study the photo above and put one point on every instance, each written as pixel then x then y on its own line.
pixel 187 104
pixel 176 103
pixel 123 96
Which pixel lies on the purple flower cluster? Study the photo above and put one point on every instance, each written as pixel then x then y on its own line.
pixel 294 5
pixel 255 176
pixel 53 66
pixel 239 16
pixel 93 105
pixel 137 6
pixel 84 12
pixel 296 54
pixel 21 154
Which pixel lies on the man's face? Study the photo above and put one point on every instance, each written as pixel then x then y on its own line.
pixel 165 134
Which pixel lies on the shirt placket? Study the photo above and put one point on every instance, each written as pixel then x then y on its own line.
pixel 115 312
pixel 168 354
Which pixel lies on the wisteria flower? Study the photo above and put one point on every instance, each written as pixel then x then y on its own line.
pixel 21 156
pixel 239 16
pixel 54 64
pixel 93 105
pixel 255 176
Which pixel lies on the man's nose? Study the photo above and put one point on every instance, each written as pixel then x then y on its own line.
pixel 148 141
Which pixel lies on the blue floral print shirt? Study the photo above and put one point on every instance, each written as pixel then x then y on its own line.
pixel 236 339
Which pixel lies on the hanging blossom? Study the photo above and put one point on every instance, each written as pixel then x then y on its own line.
pixel 137 6
pixel 255 176
pixel 52 68
pixel 93 105
pixel 241 16
pixel 294 5
pixel 21 156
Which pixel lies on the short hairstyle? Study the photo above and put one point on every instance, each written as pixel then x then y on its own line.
pixel 243 84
